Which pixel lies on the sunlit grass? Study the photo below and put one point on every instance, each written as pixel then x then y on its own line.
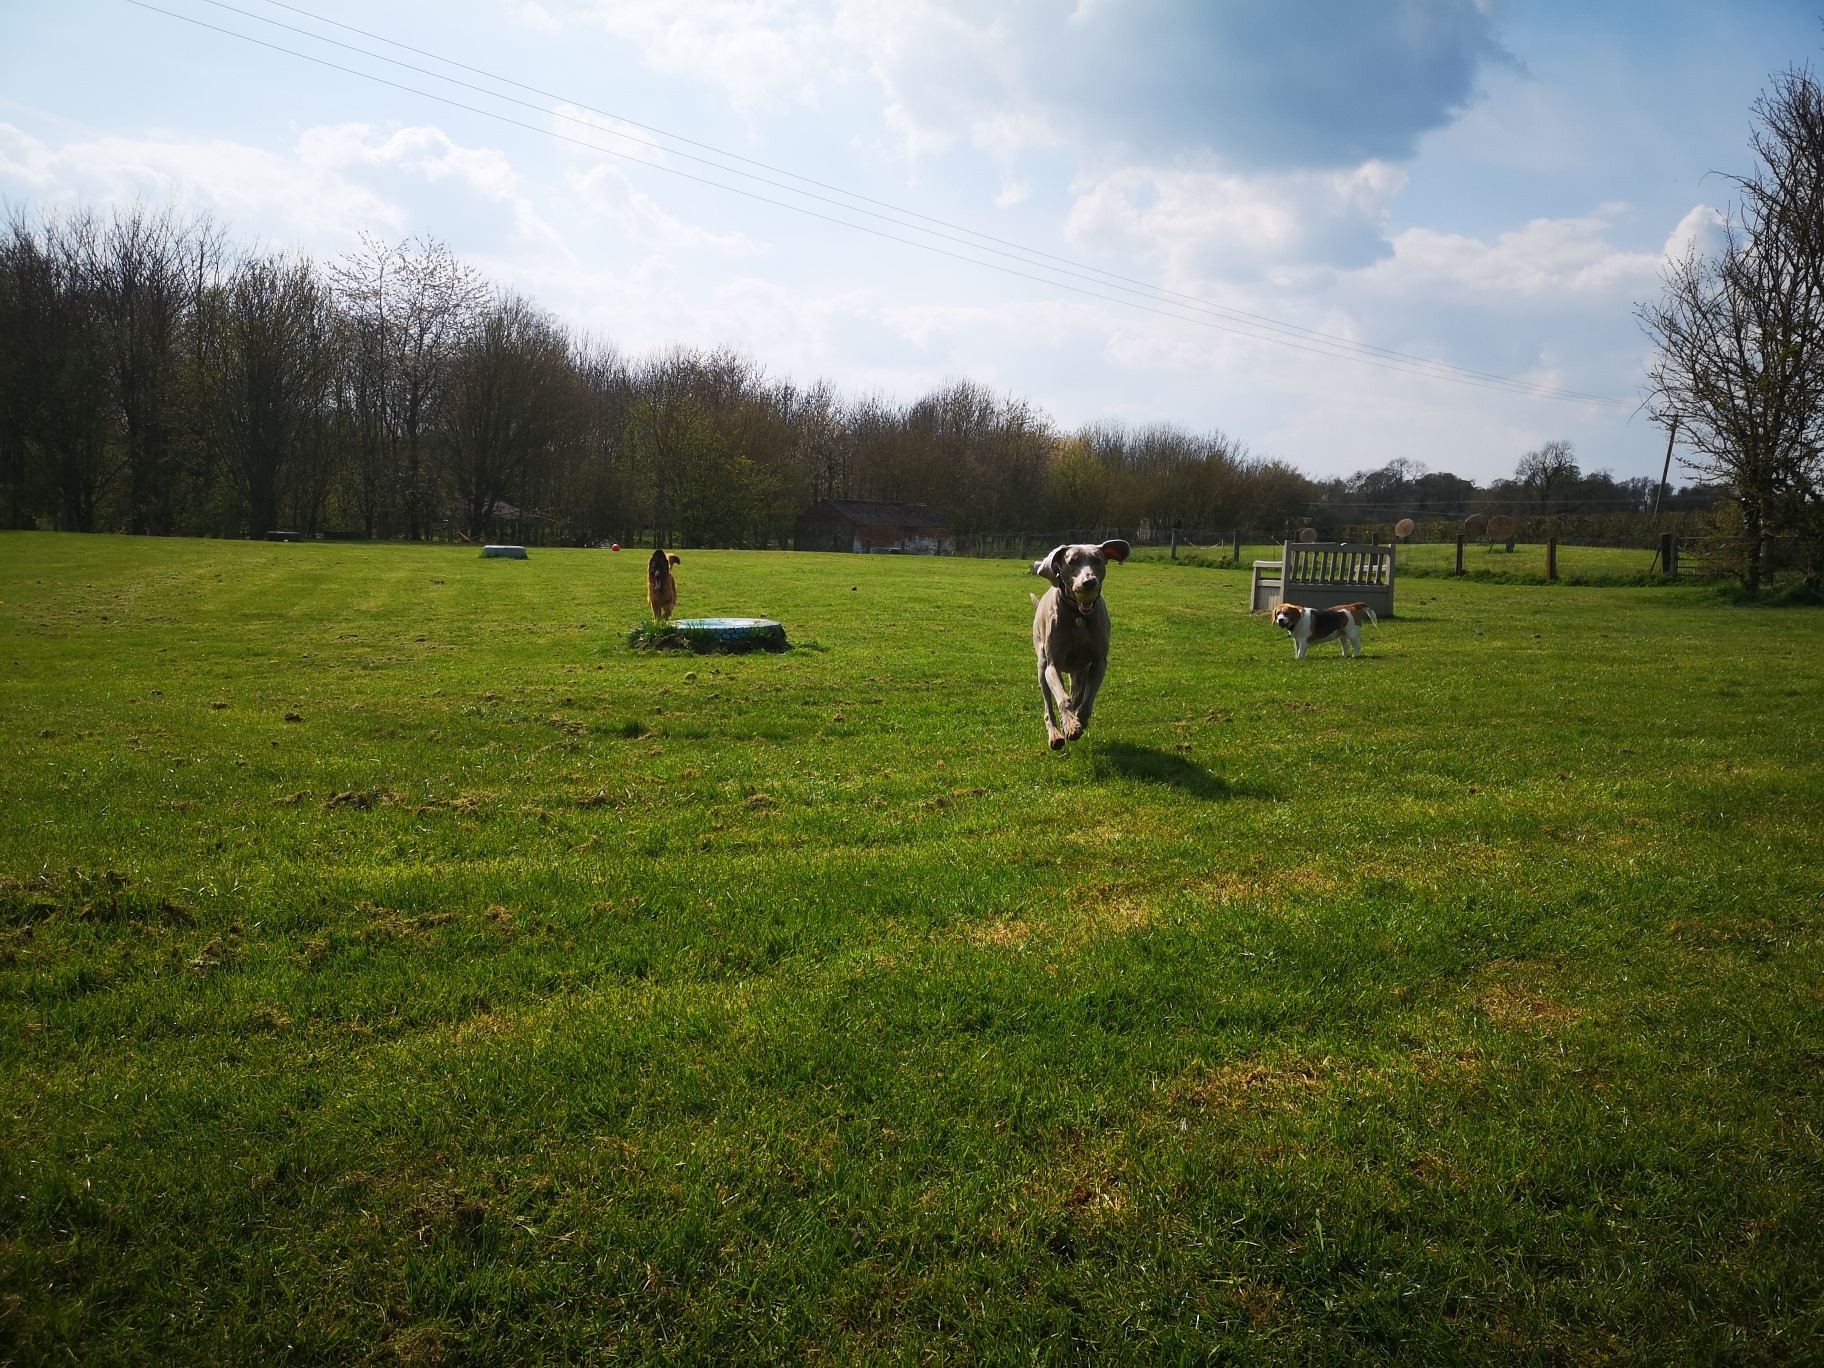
pixel 396 964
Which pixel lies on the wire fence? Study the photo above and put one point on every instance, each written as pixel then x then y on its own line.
pixel 1539 549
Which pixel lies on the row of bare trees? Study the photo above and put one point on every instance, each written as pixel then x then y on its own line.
pixel 1739 367
pixel 156 379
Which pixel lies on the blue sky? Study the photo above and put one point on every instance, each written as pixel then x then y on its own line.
pixel 1492 185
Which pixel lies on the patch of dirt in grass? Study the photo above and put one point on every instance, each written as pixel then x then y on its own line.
pixel 363 798
pixel 421 1346
pixel 1089 915
pixel 1436 1170
pixel 482 1025
pixel 1232 886
pixel 1266 885
pixel 1510 1003
pixel 1755 932
pixel 1116 918
pixel 1006 934
pixel 1256 1085
pixel 463 804
pixel 1081 1190
pixel 1260 1302
pixel 387 924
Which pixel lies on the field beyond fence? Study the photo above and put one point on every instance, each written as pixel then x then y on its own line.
pixel 1526 563
pixel 396 967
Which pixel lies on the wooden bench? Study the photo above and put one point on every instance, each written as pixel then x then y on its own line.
pixel 1324 574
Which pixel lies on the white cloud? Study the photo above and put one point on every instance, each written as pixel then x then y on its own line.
pixel 335 181
pixel 425 150
pixel 1701 231
pixel 1547 257
pixel 605 191
pixel 535 16
pixel 1326 83
pixel 1221 224
pixel 308 193
pixel 759 51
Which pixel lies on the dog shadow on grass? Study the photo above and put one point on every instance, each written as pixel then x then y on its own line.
pixel 1149 765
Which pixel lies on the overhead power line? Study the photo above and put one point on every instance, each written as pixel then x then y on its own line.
pixel 1140 295
pixel 1081 270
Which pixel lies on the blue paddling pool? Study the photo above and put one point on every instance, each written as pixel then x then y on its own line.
pixel 742 631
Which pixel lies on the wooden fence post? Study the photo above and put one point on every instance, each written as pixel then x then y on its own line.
pixel 1235 536
pixel 1668 555
pixel 1551 558
pixel 1174 543
pixel 1459 553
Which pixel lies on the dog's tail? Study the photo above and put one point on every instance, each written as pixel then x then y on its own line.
pixel 1371 617
pixel 672 558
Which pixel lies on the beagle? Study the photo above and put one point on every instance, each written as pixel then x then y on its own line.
pixel 1311 626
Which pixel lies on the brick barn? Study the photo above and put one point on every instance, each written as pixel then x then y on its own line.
pixel 867 525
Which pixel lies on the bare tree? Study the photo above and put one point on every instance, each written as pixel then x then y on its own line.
pixel 142 270
pixel 512 403
pixel 1788 196
pixel 56 423
pixel 1551 469
pixel 269 375
pixel 1740 336
pixel 411 306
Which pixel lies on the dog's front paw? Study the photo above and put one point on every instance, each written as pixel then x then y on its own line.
pixel 1073 728
pixel 1055 739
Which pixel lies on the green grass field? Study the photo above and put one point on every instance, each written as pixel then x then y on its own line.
pixel 396 967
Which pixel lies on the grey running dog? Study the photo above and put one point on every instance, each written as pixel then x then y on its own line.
pixel 1070 634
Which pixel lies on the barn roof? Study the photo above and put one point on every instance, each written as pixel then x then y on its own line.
pixel 875 513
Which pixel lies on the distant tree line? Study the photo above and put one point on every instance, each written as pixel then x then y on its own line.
pixel 1549 494
pixel 155 378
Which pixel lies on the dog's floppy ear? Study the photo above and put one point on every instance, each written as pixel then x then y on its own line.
pixel 1048 568
pixel 1116 550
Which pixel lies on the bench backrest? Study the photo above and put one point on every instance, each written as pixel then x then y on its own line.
pixel 1336 564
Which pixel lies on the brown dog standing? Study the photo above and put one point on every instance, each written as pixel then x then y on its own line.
pixel 661 585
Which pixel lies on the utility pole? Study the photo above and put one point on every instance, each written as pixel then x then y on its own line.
pixel 1667 555
pixel 1665 470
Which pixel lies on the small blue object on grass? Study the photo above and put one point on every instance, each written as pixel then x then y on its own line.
pixel 733 630
pixel 507 552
